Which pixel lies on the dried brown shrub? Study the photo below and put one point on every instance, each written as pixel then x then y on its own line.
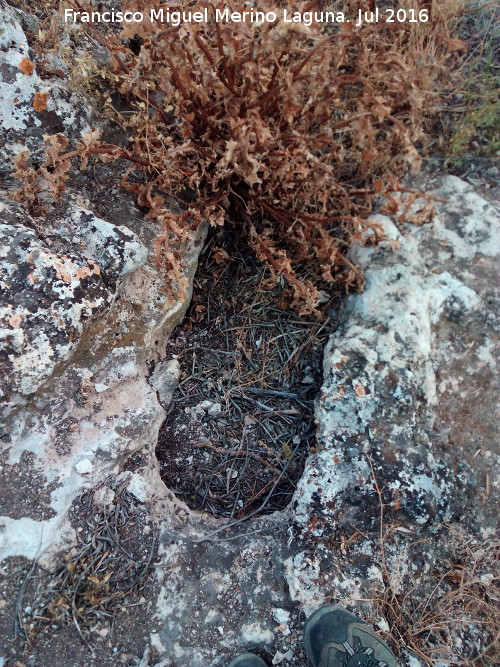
pixel 289 131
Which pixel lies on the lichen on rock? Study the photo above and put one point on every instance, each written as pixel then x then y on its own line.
pixel 46 299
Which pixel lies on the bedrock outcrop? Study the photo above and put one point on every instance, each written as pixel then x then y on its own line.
pixel 84 311
pixel 402 483
pixel 407 408
pixel 403 475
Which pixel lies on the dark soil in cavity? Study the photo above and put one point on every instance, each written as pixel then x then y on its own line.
pixel 241 422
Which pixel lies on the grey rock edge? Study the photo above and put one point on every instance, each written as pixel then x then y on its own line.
pixel 408 399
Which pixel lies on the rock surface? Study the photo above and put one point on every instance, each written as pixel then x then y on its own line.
pixel 412 355
pixel 30 105
pixel 46 298
pixel 410 367
pixel 424 327
pixel 402 477
pixel 84 312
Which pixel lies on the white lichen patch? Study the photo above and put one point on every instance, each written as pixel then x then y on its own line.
pixel 18 88
pixel 46 303
pixel 114 248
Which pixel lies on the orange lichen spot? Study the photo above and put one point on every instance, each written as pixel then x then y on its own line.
pixel 40 101
pixel 86 271
pixel 343 360
pixel 32 278
pixel 359 390
pixel 15 100
pixel 15 321
pixel 26 66
pixel 67 270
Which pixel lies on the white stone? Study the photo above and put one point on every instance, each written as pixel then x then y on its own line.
pixel 136 486
pixel 383 625
pixel 104 497
pixel 255 633
pixel 84 467
pixel 281 615
pixel 279 657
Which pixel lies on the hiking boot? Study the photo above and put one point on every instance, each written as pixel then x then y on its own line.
pixel 334 637
pixel 247 660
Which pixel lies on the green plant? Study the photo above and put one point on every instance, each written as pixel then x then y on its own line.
pixel 482 125
pixel 473 129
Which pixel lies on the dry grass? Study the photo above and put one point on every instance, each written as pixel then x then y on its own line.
pixel 244 351
pixel 451 616
pixel 456 622
pixel 103 574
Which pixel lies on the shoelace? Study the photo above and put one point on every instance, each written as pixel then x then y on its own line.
pixel 367 654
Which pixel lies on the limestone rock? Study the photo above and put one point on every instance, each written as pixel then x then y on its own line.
pixel 165 379
pixel 403 481
pixel 32 106
pixel 46 298
pixel 85 313
pixel 377 409
pixel 115 248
